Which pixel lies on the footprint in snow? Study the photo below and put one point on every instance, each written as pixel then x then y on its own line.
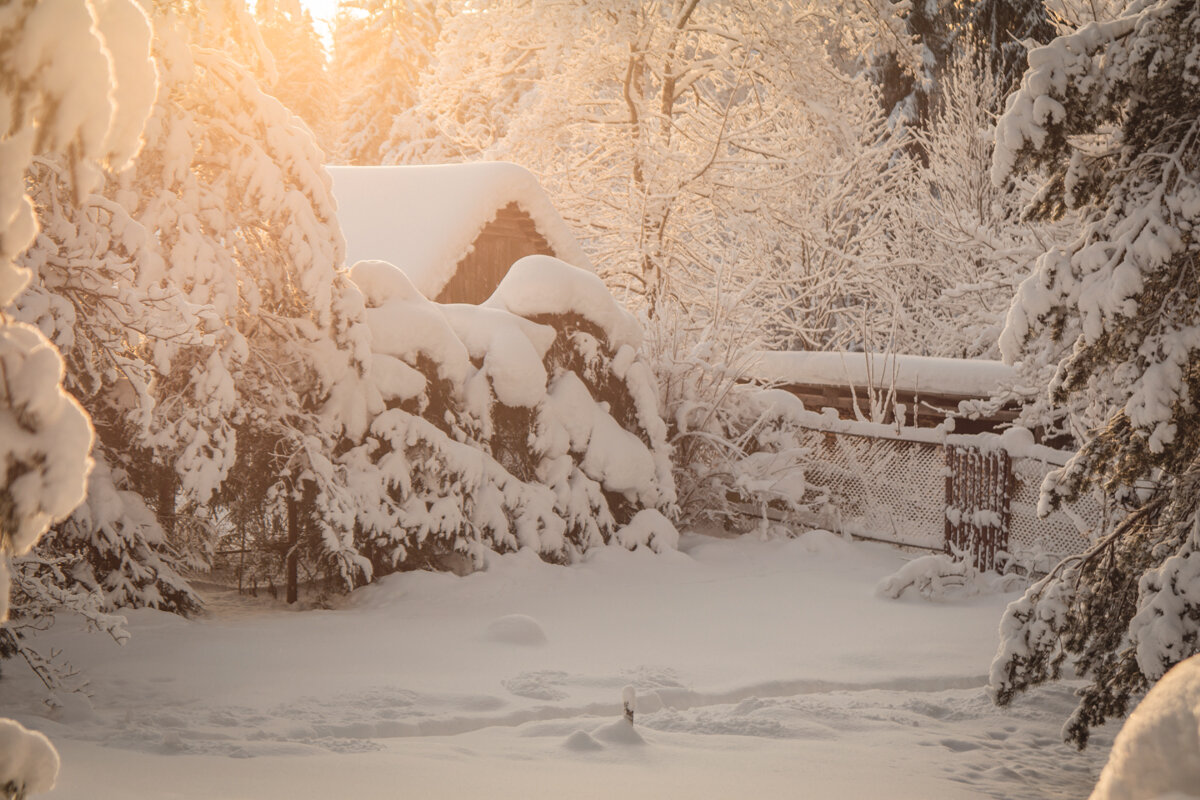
pixel 540 685
pixel 958 745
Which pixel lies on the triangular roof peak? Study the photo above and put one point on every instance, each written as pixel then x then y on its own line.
pixel 424 219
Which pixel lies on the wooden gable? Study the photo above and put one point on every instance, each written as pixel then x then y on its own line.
pixel 510 236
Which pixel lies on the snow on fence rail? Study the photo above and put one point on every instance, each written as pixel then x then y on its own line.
pixel 928 488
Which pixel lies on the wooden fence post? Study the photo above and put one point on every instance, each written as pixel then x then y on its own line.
pixel 978 507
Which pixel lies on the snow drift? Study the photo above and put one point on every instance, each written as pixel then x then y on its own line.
pixel 1157 752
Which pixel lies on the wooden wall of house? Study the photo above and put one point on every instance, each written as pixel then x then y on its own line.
pixel 510 236
pixel 923 410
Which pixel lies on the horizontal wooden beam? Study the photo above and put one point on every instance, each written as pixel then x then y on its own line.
pixel 931 407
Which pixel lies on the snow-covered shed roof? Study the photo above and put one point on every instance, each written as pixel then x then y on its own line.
pixel 956 377
pixel 425 219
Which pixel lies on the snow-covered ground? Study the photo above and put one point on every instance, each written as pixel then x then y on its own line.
pixel 763 669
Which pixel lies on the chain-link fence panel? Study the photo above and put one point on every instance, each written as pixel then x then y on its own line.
pixel 881 488
pixel 1068 529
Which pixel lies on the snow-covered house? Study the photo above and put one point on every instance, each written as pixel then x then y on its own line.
pixel 454 229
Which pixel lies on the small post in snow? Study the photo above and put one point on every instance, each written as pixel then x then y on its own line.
pixel 629 700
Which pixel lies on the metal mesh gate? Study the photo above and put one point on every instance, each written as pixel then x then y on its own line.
pixel 931 494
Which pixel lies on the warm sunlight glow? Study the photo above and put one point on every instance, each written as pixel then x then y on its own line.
pixel 321 10
pixel 530 399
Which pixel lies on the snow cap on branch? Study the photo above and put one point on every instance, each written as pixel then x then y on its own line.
pixel 538 285
pixel 44 439
pixel 28 762
pixel 66 90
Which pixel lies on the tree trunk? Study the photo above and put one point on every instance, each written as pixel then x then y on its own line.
pixel 165 502
pixel 293 549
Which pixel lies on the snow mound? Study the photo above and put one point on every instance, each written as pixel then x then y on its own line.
pixel 620 732
pixel 649 528
pixel 582 742
pixel 1157 752
pixel 516 629
pixel 510 349
pixel 943 577
pixel 28 762
pixel 405 325
pixel 381 281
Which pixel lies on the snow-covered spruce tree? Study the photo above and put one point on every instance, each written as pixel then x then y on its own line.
pixel 301 77
pixel 379 49
pixel 99 292
pixel 72 81
pixel 1111 113
pixel 77 112
pixel 248 222
pixel 598 443
pixel 239 340
pixel 108 91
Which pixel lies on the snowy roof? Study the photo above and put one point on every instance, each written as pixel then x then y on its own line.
pixel 951 376
pixel 424 219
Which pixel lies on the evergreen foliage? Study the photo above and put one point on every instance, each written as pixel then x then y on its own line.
pixel 1111 115
pixel 301 77
pixel 87 113
pixel 241 398
pixel 1002 32
pixel 998 33
pixel 205 379
pixel 522 423
pixel 379 48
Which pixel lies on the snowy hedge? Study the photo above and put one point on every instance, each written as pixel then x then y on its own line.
pixel 529 421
